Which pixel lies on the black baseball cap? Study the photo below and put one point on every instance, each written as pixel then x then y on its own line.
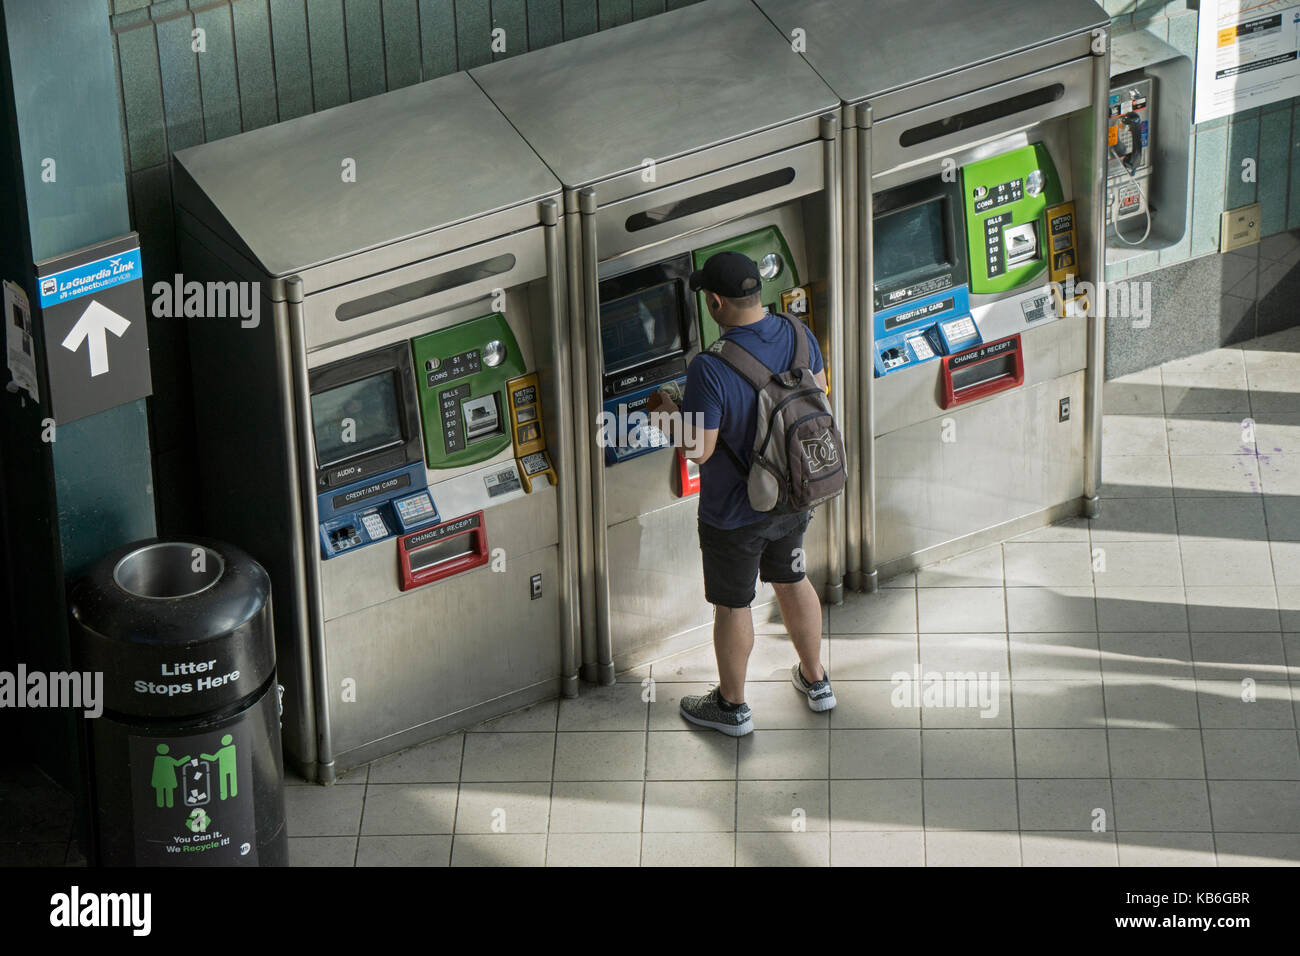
pixel 730 274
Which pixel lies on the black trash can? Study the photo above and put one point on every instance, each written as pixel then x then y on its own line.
pixel 185 760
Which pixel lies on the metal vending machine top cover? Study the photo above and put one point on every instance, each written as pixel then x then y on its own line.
pixel 659 88
pixel 278 194
pixel 920 40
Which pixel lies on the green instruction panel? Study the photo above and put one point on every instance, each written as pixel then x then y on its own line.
pixel 462 372
pixel 1005 197
pixel 768 248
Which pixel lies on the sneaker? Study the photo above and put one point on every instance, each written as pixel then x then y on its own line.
pixel 820 695
pixel 706 711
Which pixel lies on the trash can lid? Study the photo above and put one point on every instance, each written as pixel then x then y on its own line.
pixel 178 628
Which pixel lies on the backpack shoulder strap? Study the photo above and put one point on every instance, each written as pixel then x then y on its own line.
pixel 743 362
pixel 801 354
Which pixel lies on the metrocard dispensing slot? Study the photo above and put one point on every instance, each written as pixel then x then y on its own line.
pixel 442 551
pixel 982 371
pixel 527 431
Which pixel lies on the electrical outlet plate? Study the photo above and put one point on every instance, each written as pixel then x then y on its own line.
pixel 1240 227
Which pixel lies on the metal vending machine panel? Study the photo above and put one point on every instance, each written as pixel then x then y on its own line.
pixel 422 550
pixel 667 154
pixel 979 371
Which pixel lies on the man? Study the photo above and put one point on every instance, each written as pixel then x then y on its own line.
pixel 738 543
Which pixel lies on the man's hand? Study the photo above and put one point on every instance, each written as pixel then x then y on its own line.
pixel 661 401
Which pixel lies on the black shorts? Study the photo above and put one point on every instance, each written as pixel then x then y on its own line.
pixel 735 557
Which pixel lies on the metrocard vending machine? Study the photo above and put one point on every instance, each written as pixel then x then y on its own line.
pixel 980 336
pixel 978 139
pixel 669 154
pixel 391 439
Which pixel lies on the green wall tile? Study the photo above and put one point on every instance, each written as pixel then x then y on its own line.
pixel 678 4
pixel 252 23
pixel 292 67
pixel 1182 34
pixel 401 43
pixel 1243 145
pixel 162 10
pixel 646 8
pixel 614 13
pixel 1207 196
pixel 179 67
pixel 365 36
pixel 1116 270
pixel 1144 263
pixel 437 38
pixel 473 34
pixel 125 6
pixel 142 96
pixel 1183 248
pixel 329 53
pixel 511 16
pixel 545 23
pixel 1159 27
pixel 217 73
pixel 1293 201
pixel 1274 167
pixel 101 464
pixel 580 18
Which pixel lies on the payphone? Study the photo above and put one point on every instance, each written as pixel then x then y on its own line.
pixel 395 448
pixel 1130 135
pixel 688 162
pixel 974 214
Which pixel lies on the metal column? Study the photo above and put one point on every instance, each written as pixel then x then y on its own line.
pixel 1096 371
pixel 829 129
pixel 866 352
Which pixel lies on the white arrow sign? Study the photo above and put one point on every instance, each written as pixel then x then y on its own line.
pixel 93 324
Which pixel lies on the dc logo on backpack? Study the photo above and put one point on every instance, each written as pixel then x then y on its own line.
pixel 821 452
pixel 798 459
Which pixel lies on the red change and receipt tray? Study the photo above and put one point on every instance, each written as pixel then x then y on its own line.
pixel 432 554
pixel 982 371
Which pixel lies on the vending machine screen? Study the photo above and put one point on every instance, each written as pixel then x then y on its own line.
pixel 641 327
pixel 910 243
pixel 356 419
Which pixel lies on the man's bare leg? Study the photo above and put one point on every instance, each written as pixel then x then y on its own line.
pixel 733 640
pixel 802 614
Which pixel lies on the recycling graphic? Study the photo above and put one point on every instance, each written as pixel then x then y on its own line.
pixel 187 800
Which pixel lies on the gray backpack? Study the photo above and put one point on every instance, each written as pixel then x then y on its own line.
pixel 798 456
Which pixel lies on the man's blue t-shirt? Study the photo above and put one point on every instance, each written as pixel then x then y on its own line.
pixel 730 404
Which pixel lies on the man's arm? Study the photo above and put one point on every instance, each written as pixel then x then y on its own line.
pixel 707 443
pixel 703 439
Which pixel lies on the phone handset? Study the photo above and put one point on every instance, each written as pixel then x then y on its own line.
pixel 1133 123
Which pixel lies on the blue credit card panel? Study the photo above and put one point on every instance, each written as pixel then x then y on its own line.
pixel 628 433
pixel 354 516
pixel 923 330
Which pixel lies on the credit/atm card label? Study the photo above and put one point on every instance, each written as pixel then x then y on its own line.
pixel 356 495
pixel 920 312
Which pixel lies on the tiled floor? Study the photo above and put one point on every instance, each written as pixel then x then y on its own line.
pixel 1145 708
pixel 1144 711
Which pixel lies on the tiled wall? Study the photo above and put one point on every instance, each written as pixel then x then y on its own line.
pixel 1203 299
pixel 272 60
